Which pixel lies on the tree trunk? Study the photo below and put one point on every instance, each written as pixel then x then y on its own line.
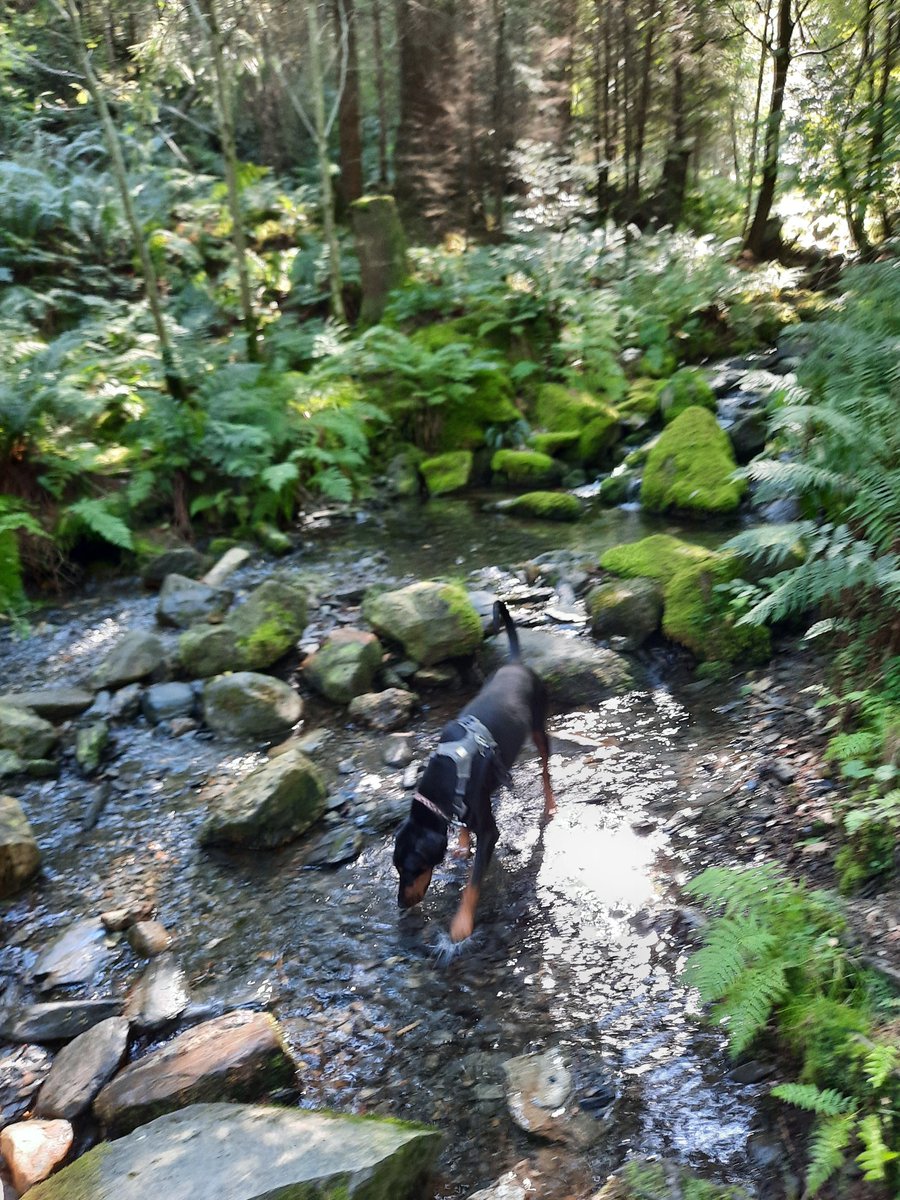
pixel 757 234
pixel 643 107
pixel 673 181
pixel 350 183
pixel 499 119
pixel 757 105
pixel 381 91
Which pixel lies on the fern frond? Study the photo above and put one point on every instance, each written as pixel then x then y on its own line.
pixel 827 1149
pixel 770 543
pixel 94 516
pixel 876 1155
pixel 750 1004
pixel 827 1102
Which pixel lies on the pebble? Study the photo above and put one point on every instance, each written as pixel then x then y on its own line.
pixel 149 938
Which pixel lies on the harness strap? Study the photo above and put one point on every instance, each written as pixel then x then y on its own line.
pixel 477 741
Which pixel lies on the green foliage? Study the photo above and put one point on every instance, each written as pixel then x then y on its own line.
pixel 773 961
pixel 94 517
pixel 14 520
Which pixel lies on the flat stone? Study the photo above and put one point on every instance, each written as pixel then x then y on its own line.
pixel 73 957
pixel 160 996
pixel 32 1149
pixel 227 565
pixel 250 706
pixel 135 656
pixel 163 701
pixel 60 1020
pixel 239 1056
pixel 22 1071
pixel 19 853
pixel 184 602
pixel 340 845
pixel 273 805
pixel 227 1151
pixel 52 703
pixel 25 733
pixel 82 1068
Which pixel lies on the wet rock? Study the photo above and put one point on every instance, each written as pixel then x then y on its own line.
pixel 751 1072
pixel 442 675
pixel 246 705
pixel 11 765
pixel 52 703
pixel 25 733
pixel 239 1056
pixel 748 435
pixel 19 853
pixel 82 1068
pixel 431 621
pixel 148 938
pixel 383 710
pixel 163 701
pixel 160 996
pixel 514 1185
pixel 631 609
pixel 207 650
pixel 184 602
pixel 575 672
pixel 136 656
pixel 345 666
pixel 183 560
pixel 233 558
pixel 269 623
pixel 22 1071
pixel 90 743
pixel 778 769
pixel 540 1094
pixel 32 1149
pixel 218 1150
pixel 398 750
pixel 124 704
pixel 273 539
pixel 59 1021
pixel 74 957
pixel 275 804
pixel 342 845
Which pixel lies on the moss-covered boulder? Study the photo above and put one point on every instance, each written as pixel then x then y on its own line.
pixel 446 473
pixel 561 409
pixel 691 468
pixel 659 556
pixel 641 400
pixel 207 650
pixel 558 445
pixel 686 388
pixel 629 609
pixel 269 623
pixel 273 805
pixel 528 469
pixel 25 733
pixel 617 489
pixel 697 616
pixel 254 1152
pixel 545 506
pixel 345 666
pixel 430 620
pixel 381 247
pixel 597 438
pixel 19 854
pixel 250 706
pixel 656 1180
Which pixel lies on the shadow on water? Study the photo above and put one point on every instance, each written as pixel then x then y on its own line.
pixel 577 942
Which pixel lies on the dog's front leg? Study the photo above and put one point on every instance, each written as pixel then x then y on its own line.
pixel 542 742
pixel 464 920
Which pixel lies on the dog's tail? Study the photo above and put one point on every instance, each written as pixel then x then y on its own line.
pixel 502 617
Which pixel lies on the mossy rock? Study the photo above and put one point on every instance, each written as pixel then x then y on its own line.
pixel 698 617
pixel 691 468
pixel 598 437
pixel 555 444
pixel 430 620
pixel 525 468
pixel 464 425
pixel 269 623
pixel 642 397
pixel 686 388
pixel 615 489
pixel 628 608
pixel 546 506
pixel 561 409
pixel 448 472
pixel 443 333
pixel 660 556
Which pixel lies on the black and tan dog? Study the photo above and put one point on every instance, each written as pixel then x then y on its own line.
pixel 473 758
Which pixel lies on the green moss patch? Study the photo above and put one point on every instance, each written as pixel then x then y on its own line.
pixel 559 408
pixel 691 468
pixel 642 397
pixel 525 468
pixel 697 616
pixel 447 472
pixel 659 556
pixel 598 437
pixel 547 506
pixel 555 443
pixel 686 388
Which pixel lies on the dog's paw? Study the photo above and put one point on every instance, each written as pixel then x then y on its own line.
pixel 445 950
pixel 461 927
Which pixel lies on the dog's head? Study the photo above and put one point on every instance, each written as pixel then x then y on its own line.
pixel 417 851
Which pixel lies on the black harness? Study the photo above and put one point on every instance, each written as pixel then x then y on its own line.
pixel 476 743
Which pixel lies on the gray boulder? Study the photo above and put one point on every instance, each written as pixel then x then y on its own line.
pixel 207 650
pixel 183 560
pixel 275 804
pixel 239 1056
pixel 748 434
pixel 184 602
pixel 576 672
pixel 60 1020
pixel 19 854
pixel 430 620
pixel 81 1069
pixel 136 656
pixel 383 710
pixel 628 608
pixel 163 701
pixel 226 1150
pixel 269 623
pixel 53 703
pixel 246 705
pixel 25 733
pixel 345 666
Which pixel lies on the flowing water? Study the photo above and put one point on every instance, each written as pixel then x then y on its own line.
pixel 580 937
